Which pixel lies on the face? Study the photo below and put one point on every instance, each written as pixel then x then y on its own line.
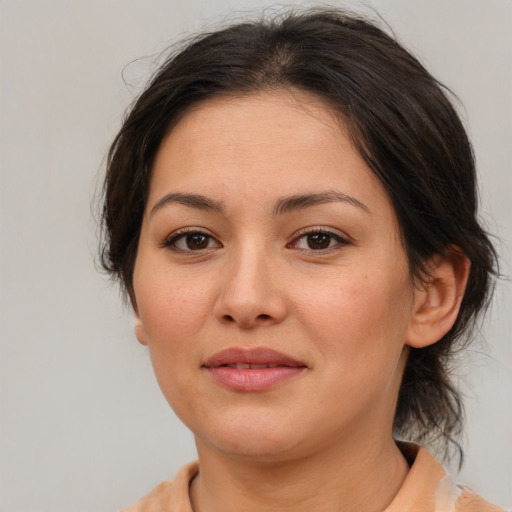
pixel 271 285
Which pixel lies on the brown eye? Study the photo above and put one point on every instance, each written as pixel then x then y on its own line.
pixel 319 241
pixel 191 241
pixel 196 241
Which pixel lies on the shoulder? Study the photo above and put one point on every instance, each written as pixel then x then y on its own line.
pixel 152 501
pixel 472 502
pixel 172 495
pixel 429 488
pixel 458 498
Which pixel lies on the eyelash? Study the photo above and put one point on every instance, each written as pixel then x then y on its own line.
pixel 175 237
pixel 172 240
pixel 306 232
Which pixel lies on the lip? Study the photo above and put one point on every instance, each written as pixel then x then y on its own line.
pixel 252 369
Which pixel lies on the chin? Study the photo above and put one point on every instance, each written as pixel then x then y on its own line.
pixel 257 439
pixel 259 449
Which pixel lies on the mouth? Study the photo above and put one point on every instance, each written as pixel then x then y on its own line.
pixel 251 366
pixel 255 369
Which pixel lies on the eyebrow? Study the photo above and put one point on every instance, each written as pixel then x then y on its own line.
pixel 197 201
pixel 302 201
pixel 282 206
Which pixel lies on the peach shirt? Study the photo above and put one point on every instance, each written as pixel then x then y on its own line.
pixel 426 488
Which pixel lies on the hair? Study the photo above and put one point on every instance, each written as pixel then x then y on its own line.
pixel 400 120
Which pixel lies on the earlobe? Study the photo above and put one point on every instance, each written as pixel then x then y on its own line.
pixel 437 300
pixel 138 327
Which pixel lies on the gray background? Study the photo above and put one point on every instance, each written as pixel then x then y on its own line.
pixel 83 426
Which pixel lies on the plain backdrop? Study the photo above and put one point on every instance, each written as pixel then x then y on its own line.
pixel 83 425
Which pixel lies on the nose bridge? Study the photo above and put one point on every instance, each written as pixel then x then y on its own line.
pixel 250 293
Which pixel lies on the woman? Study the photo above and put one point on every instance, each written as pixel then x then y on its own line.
pixel 291 208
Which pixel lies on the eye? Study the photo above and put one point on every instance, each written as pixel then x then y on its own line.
pixel 189 241
pixel 318 240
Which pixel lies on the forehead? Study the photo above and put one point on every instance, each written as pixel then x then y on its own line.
pixel 279 109
pixel 263 146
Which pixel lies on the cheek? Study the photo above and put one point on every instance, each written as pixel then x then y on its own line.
pixel 172 313
pixel 359 319
pixel 359 329
pixel 170 310
pixel 172 316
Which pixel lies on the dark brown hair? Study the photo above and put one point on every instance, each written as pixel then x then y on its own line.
pixel 401 122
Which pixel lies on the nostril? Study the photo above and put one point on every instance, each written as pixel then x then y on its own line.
pixel 263 317
pixel 229 318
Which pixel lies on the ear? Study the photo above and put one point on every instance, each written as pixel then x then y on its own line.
pixel 139 329
pixel 437 300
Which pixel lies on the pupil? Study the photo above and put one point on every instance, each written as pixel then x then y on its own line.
pixel 197 241
pixel 319 241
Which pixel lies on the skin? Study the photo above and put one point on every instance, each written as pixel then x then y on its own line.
pixel 349 311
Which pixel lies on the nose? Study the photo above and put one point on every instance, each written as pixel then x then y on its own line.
pixel 251 294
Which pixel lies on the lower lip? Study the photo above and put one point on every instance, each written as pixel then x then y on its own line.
pixel 253 380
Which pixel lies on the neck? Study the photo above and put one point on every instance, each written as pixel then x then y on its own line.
pixel 360 476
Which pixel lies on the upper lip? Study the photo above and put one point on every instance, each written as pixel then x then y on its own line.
pixel 257 355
